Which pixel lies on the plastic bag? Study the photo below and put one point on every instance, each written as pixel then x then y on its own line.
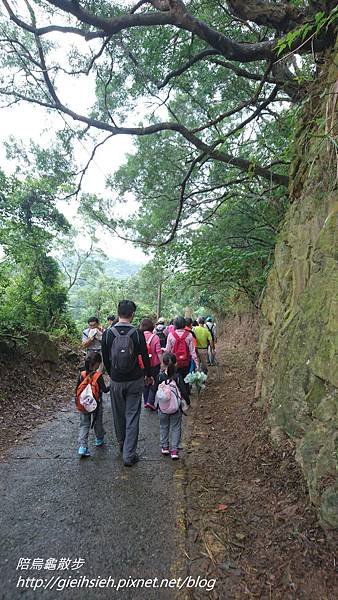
pixel 198 378
pixel 87 399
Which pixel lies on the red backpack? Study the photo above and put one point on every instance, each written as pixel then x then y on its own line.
pixel 87 379
pixel 181 350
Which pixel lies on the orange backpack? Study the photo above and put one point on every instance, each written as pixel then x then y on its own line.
pixel 93 381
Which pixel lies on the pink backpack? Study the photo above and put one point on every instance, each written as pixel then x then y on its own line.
pixel 168 397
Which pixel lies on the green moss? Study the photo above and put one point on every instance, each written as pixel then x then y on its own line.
pixel 316 393
pixel 299 347
pixel 329 508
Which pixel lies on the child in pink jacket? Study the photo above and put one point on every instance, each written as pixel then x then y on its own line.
pixel 155 354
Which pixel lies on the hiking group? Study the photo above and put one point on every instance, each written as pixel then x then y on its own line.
pixel 151 361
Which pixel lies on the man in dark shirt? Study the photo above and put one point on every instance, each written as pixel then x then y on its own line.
pixel 126 387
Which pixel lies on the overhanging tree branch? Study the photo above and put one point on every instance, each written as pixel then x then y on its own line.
pixel 88 35
pixel 174 12
pixel 83 171
pixel 243 105
pixel 186 178
pixel 233 161
pixel 186 66
pixel 241 163
pixel 240 71
pixel 138 5
pixel 177 16
pixel 279 15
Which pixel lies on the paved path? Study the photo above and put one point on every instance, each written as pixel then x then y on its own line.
pixel 120 520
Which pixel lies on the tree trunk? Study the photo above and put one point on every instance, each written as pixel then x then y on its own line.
pixel 159 299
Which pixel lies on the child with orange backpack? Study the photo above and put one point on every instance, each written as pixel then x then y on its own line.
pixel 88 400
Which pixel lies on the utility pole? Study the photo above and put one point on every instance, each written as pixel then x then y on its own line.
pixel 159 298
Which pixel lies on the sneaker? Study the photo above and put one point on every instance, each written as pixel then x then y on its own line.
pixel 165 451
pixel 83 451
pixel 133 461
pixel 99 441
pixel 174 454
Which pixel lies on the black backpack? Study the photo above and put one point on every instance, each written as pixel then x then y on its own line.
pixel 162 338
pixel 211 331
pixel 123 356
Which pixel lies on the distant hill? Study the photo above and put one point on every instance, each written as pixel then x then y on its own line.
pixel 120 268
pixel 90 294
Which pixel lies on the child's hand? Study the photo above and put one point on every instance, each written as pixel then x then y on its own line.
pixel 149 380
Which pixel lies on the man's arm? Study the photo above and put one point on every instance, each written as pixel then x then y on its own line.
pixel 103 387
pixel 105 349
pixel 182 387
pixel 192 349
pixel 144 353
pixel 211 340
pixel 157 347
pixel 170 342
pixel 86 341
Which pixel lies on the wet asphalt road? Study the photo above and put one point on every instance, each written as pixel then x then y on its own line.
pixel 120 521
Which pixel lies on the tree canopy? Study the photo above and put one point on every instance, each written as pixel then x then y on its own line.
pixel 210 92
pixel 203 70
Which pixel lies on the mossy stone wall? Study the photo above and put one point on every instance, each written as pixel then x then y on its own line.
pixel 298 363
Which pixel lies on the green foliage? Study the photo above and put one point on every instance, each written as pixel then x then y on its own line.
pixel 307 31
pixel 31 290
pixel 100 285
pixel 224 243
pixel 220 217
pixel 231 255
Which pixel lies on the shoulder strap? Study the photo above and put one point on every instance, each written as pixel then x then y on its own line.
pixel 84 378
pixel 96 377
pixel 176 336
pixel 175 388
pixel 131 331
pixel 115 331
pixel 150 339
pixel 128 333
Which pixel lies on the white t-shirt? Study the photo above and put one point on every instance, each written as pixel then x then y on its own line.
pixel 96 336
